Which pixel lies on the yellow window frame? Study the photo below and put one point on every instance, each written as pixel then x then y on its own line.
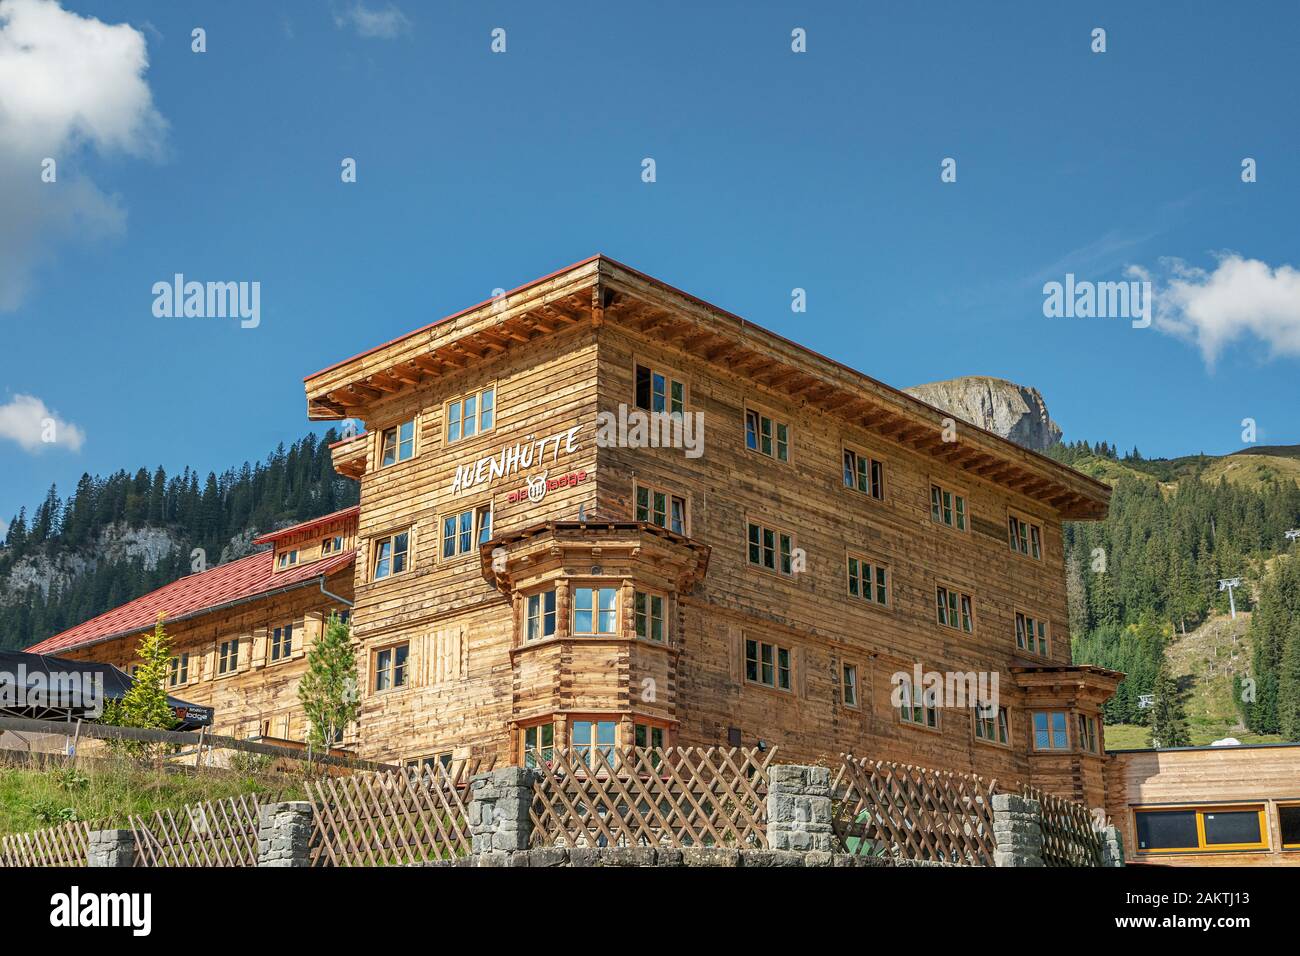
pixel 1202 846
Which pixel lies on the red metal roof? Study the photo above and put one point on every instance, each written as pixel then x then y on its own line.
pixel 308 525
pixel 193 595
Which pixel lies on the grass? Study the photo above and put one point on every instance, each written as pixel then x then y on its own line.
pixel 108 791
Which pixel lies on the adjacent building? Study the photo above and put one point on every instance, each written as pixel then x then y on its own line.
pixel 240 631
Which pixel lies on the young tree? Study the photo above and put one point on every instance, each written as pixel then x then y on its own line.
pixel 1168 722
pixel 1288 690
pixel 145 704
pixel 328 691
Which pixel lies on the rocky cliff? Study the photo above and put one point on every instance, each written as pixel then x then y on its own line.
pixel 1013 411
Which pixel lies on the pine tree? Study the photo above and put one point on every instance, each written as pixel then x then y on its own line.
pixel 1168 722
pixel 328 691
pixel 1288 689
pixel 144 705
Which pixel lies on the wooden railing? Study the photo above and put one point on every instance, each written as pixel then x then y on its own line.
pixel 396 818
pixel 62 845
pixel 1069 837
pixel 880 808
pixel 212 833
pixel 670 797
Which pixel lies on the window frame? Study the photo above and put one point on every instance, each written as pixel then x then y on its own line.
pixel 390 538
pixel 392 669
pixel 1017 615
pixel 231 644
pixel 540 747
pixel 777 533
pixel 669 497
pixel 1001 726
pixel 850 679
pixel 327 544
pixel 670 375
pixel 1281 834
pixel 847 449
pixel 475 532
pixel 595 721
pixel 279 644
pixel 396 428
pixel 1203 846
pixel 1051 732
pixel 750 408
pixel 460 399
pixel 596 611
pixel 1032 541
pixel 874 586
pixel 917 695
pixel 651 595
pixel 178 669
pixel 1088 731
pixel 965 607
pixel 961 510
pixel 774 663
pixel 540 615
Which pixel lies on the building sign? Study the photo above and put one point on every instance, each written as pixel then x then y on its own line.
pixel 515 458
pixel 539 485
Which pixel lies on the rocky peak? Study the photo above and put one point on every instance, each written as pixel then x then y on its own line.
pixel 1013 411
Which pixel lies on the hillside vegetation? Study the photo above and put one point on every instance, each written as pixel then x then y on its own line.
pixel 119 536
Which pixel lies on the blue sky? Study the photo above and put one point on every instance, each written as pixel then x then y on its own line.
pixel 775 170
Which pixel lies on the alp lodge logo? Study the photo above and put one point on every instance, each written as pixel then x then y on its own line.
pixel 539 485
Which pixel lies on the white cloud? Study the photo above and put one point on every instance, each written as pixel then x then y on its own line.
pixel 381 23
pixel 34 427
pixel 1238 299
pixel 68 84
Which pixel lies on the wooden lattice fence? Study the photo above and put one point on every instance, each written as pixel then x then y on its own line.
pixel 62 845
pixel 211 833
pixel 914 813
pixel 664 797
pixel 413 815
pixel 1069 836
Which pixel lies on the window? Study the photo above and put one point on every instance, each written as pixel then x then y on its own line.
pixel 767 436
pixel 1025 537
pixel 658 391
pixel 540 616
pixel 767 664
pixel 916 708
pixel 849 685
pixel 471 414
pixel 660 507
pixel 179 672
pixel 1031 634
pixel 868 581
pixel 992 727
pixel 864 474
pixel 947 507
pixel 1288 818
pixel 462 532
pixel 397 443
pixel 648 736
pixel 442 760
pixel 650 616
pixel 1088 733
pixel 539 745
pixel 955 609
pixel 594 610
pixel 228 656
pixel 591 740
pixel 392 555
pixel 282 642
pixel 1050 732
pixel 390 667
pixel 1200 829
pixel 332 545
pixel 287 559
pixel 769 548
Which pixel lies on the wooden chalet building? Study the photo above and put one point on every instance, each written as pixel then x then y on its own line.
pixel 529 575
pixel 239 631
